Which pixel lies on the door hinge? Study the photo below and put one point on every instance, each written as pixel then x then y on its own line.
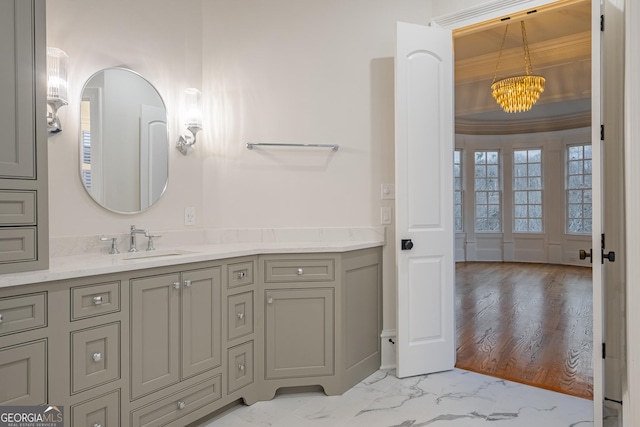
pixel 604 350
pixel 601 132
pixel 601 22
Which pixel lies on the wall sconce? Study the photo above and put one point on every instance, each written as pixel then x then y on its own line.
pixel 193 119
pixel 57 64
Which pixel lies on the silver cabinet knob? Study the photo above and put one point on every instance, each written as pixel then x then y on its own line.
pixel 241 367
pixel 269 300
pixel 97 300
pixel 176 285
pixel 187 283
pixel 97 357
pixel 181 405
pixel 300 272
pixel 241 274
pixel 97 425
pixel 240 316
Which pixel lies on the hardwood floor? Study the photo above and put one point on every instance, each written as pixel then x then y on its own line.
pixel 529 323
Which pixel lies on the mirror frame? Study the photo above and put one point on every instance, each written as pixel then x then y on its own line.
pixel 81 142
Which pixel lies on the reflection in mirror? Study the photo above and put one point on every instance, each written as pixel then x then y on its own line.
pixel 124 145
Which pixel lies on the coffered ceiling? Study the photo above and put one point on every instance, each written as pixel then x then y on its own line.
pixel 560 46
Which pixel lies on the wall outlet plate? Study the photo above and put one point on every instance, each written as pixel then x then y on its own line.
pixel 385 216
pixel 190 216
pixel 387 191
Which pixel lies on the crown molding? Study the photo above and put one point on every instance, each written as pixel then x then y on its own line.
pixel 479 18
pixel 501 127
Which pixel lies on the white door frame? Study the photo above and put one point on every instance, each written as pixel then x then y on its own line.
pixel 496 9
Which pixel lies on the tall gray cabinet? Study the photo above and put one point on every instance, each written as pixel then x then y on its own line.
pixel 24 234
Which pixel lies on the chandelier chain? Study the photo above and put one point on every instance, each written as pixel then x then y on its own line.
pixel 504 37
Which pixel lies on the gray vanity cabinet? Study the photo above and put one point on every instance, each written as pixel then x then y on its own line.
pixel 24 236
pixel 175 328
pixel 299 333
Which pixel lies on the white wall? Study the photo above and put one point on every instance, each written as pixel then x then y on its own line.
pixel 278 71
pixel 156 38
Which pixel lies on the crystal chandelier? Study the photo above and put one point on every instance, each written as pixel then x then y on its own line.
pixel 518 93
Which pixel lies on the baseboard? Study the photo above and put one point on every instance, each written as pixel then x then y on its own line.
pixel 388 339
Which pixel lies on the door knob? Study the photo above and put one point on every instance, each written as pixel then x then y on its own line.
pixel 584 255
pixel 611 256
pixel 406 245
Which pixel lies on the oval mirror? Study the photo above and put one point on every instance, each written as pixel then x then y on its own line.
pixel 124 144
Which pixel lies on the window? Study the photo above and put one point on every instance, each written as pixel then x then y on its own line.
pixel 488 191
pixel 86 159
pixel 457 190
pixel 527 191
pixel 579 211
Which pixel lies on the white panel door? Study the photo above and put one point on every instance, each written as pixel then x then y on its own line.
pixel 424 199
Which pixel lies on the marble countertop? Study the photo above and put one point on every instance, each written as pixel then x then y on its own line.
pixel 69 267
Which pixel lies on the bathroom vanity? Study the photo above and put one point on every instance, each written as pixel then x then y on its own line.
pixel 171 338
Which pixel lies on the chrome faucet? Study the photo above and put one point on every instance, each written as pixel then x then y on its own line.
pixel 132 237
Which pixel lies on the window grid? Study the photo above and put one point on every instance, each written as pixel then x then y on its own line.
pixel 579 196
pixel 488 193
pixel 527 194
pixel 457 190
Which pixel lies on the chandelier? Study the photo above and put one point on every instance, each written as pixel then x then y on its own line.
pixel 517 93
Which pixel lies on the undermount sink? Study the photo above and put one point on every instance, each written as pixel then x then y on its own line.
pixel 155 254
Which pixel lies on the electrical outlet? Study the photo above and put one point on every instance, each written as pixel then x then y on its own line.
pixel 385 216
pixel 190 216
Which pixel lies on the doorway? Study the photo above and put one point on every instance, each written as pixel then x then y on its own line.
pixel 538 220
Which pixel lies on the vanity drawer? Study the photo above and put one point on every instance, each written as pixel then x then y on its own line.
pixel 24 374
pixel 103 411
pixel 299 270
pixel 95 357
pixel 23 313
pixel 17 244
pixel 95 300
pixel 175 406
pixel 17 207
pixel 240 274
pixel 240 366
pixel 240 311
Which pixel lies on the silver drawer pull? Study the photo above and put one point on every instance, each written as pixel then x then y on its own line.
pixel 241 367
pixel 1 318
pixel 181 405
pixel 97 300
pixel 97 357
pixel 240 316
pixel 300 272
pixel 241 275
pixel 187 283
pixel 269 300
pixel 176 285
pixel 97 425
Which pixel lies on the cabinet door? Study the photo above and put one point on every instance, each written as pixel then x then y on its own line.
pixel 17 84
pixel 23 374
pixel 155 328
pixel 299 327
pixel 201 321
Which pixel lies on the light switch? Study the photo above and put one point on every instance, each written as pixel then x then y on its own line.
pixel 385 216
pixel 387 191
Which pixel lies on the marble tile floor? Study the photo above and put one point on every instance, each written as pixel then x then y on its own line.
pixel 456 398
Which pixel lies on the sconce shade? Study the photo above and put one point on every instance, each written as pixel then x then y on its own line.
pixel 57 64
pixel 193 108
pixel 192 119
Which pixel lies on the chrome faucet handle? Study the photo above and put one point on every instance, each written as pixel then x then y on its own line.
pixel 114 244
pixel 150 246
